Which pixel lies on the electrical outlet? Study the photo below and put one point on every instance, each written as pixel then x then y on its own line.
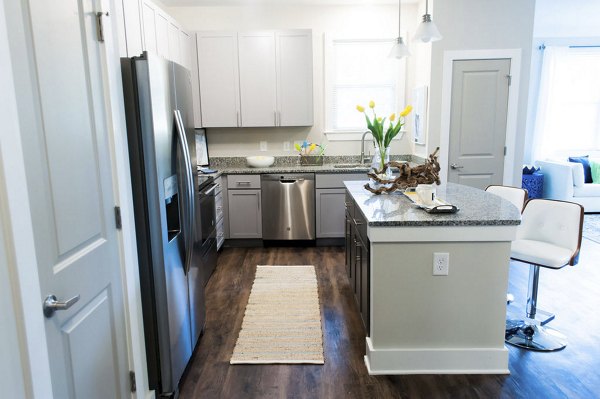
pixel 263 146
pixel 286 146
pixel 441 263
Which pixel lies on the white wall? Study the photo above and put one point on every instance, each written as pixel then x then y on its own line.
pixel 478 25
pixel 573 18
pixel 560 24
pixel 351 21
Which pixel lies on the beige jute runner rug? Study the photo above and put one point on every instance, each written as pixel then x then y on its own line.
pixel 282 322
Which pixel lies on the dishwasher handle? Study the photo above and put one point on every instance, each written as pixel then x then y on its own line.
pixel 291 181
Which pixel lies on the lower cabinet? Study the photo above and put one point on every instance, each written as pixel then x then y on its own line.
pixel 358 266
pixel 330 211
pixel 245 217
pixel 329 198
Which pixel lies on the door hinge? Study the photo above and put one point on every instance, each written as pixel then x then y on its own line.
pixel 132 383
pixel 509 78
pixel 118 221
pixel 99 26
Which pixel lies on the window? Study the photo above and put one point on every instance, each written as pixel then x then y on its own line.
pixel 568 115
pixel 357 71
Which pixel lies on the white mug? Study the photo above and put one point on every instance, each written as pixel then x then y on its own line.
pixel 426 193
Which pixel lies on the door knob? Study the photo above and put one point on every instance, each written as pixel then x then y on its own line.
pixel 51 305
pixel 455 166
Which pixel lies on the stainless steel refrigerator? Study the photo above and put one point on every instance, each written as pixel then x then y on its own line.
pixel 161 137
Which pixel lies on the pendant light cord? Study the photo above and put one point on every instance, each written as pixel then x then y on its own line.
pixel 399 17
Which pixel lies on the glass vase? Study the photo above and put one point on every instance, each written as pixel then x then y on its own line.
pixel 379 160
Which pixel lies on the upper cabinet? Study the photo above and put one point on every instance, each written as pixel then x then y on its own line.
pixel 257 78
pixel 164 36
pixel 219 79
pixel 261 78
pixel 294 78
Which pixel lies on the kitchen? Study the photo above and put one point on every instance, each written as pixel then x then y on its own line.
pixel 29 179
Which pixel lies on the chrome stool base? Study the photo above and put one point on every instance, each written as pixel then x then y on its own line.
pixel 534 337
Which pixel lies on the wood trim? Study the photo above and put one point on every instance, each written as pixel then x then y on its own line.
pixel 525 193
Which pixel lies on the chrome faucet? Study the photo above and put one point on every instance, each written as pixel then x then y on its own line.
pixel 362 146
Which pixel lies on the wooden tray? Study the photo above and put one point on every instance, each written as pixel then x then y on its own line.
pixel 439 205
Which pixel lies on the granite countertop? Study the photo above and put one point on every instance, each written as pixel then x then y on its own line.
pixel 325 168
pixel 290 164
pixel 477 208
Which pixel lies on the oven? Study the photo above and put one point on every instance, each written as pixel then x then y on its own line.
pixel 206 229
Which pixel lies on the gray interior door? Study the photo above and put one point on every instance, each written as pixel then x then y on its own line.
pixel 62 104
pixel 478 121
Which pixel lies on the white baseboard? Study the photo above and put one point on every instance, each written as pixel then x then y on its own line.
pixel 392 361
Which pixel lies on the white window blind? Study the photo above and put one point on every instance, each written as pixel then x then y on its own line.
pixel 358 71
pixel 568 115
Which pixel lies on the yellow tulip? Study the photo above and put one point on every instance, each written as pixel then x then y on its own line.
pixel 371 104
pixel 360 109
pixel 392 117
pixel 379 119
pixel 406 110
pixel 312 147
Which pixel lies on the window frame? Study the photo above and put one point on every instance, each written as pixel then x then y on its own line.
pixel 329 68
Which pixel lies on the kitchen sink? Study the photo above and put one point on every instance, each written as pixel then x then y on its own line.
pixel 350 165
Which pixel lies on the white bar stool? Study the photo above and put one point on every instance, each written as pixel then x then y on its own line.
pixel 549 236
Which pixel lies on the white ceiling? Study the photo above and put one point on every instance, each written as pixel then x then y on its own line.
pixel 179 3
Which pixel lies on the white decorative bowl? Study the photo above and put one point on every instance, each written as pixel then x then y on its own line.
pixel 260 161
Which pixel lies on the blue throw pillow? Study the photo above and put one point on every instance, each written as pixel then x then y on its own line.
pixel 587 170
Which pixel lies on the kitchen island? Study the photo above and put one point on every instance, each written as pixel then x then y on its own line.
pixel 417 322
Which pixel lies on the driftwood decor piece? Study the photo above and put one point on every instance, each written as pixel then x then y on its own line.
pixel 428 173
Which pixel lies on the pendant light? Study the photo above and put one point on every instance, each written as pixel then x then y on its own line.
pixel 400 49
pixel 427 31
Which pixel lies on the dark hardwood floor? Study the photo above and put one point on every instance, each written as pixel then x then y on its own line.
pixel 573 293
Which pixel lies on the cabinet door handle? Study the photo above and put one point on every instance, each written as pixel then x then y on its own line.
pixel 243 183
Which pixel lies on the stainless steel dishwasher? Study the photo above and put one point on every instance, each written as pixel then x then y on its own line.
pixel 288 206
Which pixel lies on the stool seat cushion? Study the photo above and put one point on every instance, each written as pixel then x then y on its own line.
pixel 540 253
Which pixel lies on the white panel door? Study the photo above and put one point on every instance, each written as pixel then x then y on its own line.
pixel 69 176
pixel 174 47
pixel 478 121
pixel 294 78
pixel 257 78
pixel 217 57
pixel 149 24
pixel 162 34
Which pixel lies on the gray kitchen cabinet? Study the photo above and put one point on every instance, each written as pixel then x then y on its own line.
pixel 329 197
pixel 245 217
pixel 358 262
pixel 330 211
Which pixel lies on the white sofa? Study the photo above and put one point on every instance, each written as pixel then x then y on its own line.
pixel 565 181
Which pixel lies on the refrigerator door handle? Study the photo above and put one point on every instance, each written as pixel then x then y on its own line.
pixel 190 190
